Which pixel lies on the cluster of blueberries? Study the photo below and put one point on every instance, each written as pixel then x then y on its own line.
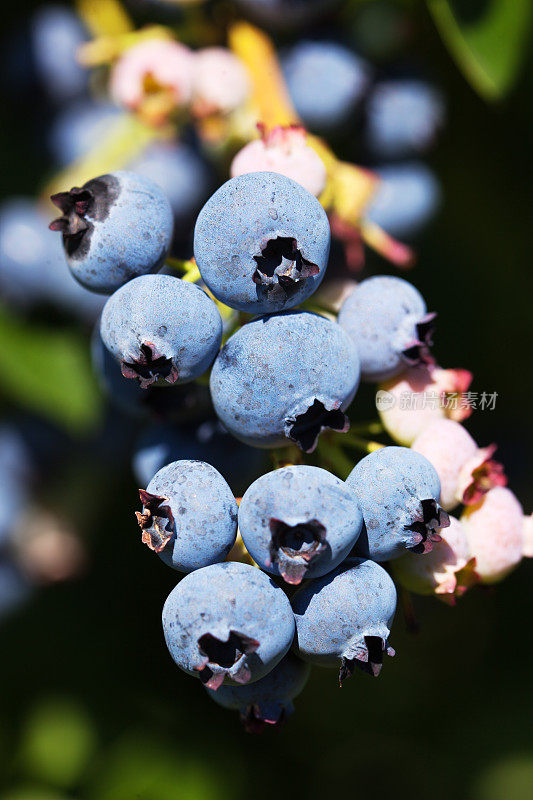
pixel 261 245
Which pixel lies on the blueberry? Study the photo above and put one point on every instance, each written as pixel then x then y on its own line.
pixel 160 328
pixel 268 701
pixel 227 622
pixel 114 227
pixel 56 35
pixel 398 492
pixel 79 127
pixel 403 117
pixel 208 441
pixel 14 587
pixel 406 200
pixel 285 378
pixel 15 476
pixel 345 617
pixel 326 82
pixel 181 173
pixel 32 263
pixel 299 522
pixel 387 320
pixel 261 243
pixel 189 515
pixel 177 402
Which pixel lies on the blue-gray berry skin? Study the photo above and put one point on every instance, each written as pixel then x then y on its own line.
pixel 387 320
pixel 115 228
pixel 179 402
pixel 79 127
pixel 207 441
pixel 299 522
pixel 15 476
pixel 406 200
pixel 33 270
pixel 398 491
pixel 284 378
pixel 161 329
pixel 268 701
pixel 404 117
pixel 189 515
pixel 227 623
pixel 261 243
pixel 56 34
pixel 326 81
pixel 344 618
pixel 182 174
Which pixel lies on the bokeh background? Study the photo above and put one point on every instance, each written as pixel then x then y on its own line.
pixel 91 705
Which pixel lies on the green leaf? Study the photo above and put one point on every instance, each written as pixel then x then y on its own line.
pixel 57 743
pixel 489 49
pixel 48 370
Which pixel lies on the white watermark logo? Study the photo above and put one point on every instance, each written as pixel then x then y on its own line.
pixel 451 401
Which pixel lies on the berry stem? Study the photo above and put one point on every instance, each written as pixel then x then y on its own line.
pixel 359 443
pixel 334 456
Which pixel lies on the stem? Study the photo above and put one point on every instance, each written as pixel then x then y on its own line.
pixel 364 445
pixel 374 428
pixel 332 453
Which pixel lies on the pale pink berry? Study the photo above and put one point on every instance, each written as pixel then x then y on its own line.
pixel 220 82
pixel 466 471
pixel 283 150
pixel 410 402
pixel 494 530
pixel 436 572
pixel 151 67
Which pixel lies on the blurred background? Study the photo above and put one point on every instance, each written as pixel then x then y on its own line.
pixel 91 705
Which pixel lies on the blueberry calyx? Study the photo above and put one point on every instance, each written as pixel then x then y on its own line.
pixel 427 526
pixel 254 721
pixel 369 658
pixel 156 521
pixel 281 265
pixel 305 427
pixel 418 351
pixel 221 657
pixel 294 547
pixel 149 366
pixel 72 224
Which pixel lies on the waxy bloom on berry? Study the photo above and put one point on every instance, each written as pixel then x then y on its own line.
pixel 466 471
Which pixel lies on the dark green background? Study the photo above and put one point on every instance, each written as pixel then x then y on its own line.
pixel 91 705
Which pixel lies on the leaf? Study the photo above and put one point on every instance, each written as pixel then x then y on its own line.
pixel 48 370
pixel 491 48
pixel 57 743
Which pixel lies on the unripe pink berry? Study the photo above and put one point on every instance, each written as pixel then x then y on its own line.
pixel 466 471
pixel 153 66
pixel 436 572
pixel 283 150
pixel 220 82
pixel 410 402
pixel 494 530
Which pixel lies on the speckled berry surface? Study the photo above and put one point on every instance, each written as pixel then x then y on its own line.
pixel 299 522
pixel 261 243
pixel 387 320
pixel 343 619
pixel 227 622
pixel 268 701
pixel 284 378
pixel 161 329
pixel 398 492
pixel 115 227
pixel 189 515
